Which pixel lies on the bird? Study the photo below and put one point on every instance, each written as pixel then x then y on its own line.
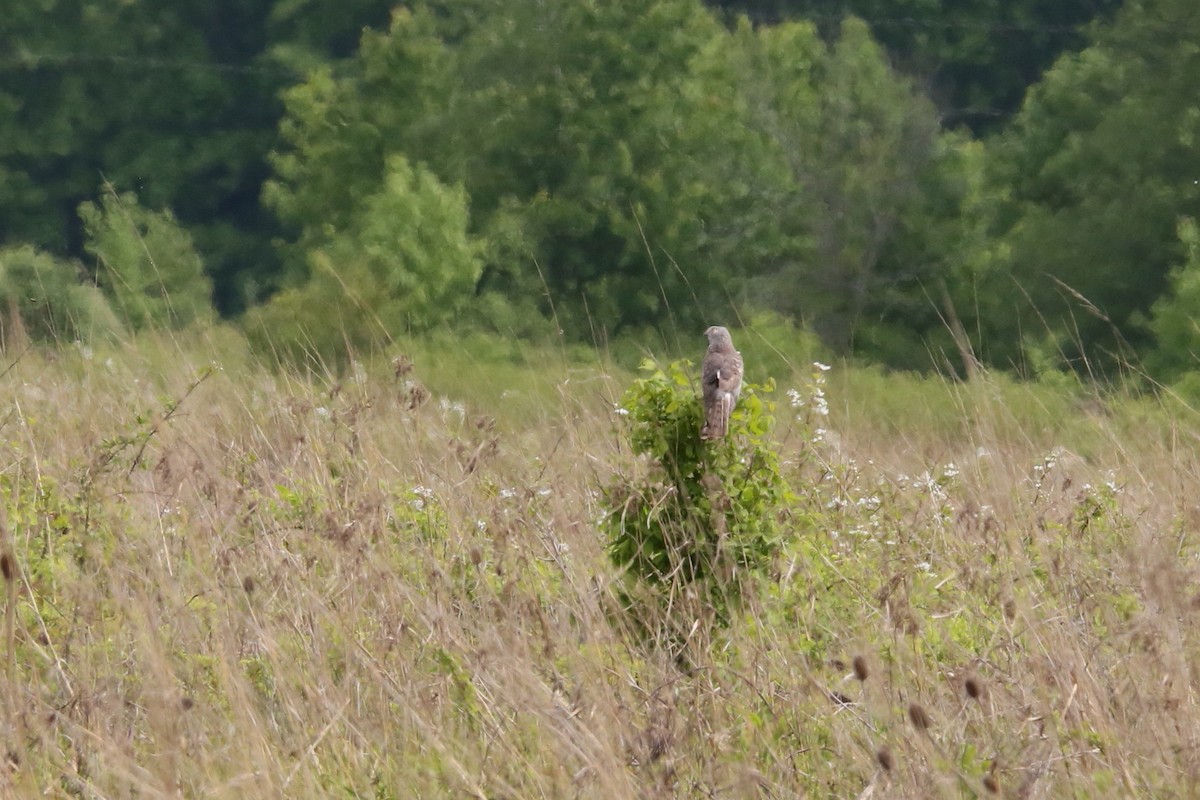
pixel 721 377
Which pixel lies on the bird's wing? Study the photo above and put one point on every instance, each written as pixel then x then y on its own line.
pixel 712 370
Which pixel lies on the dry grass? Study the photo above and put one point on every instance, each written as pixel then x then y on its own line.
pixel 258 585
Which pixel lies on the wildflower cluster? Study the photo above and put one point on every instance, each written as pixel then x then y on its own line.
pixel 811 405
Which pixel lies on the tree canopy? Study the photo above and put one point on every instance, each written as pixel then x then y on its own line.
pixel 1000 182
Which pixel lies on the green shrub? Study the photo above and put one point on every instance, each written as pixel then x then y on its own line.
pixel 405 263
pixel 44 298
pixel 707 514
pixel 1173 318
pixel 149 266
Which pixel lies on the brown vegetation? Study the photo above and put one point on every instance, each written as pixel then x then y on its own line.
pixel 235 583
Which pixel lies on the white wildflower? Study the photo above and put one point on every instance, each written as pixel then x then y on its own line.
pixel 450 408
pixel 819 404
pixel 871 502
pixel 423 494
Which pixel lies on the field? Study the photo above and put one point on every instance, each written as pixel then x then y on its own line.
pixel 229 581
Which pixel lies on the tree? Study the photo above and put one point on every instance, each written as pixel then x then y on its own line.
pixel 977 57
pixel 46 299
pixel 149 267
pixel 404 263
pixel 853 139
pixel 340 130
pixel 1097 170
pixel 1174 316
pixel 178 102
pixel 586 135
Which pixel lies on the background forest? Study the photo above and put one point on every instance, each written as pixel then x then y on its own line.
pixel 1006 183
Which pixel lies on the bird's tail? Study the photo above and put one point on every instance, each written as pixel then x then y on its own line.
pixel 717 423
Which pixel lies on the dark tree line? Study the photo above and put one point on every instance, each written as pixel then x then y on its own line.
pixel 1004 181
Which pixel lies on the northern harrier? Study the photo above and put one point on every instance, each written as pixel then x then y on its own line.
pixel 721 373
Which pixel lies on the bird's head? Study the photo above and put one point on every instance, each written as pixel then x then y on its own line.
pixel 718 335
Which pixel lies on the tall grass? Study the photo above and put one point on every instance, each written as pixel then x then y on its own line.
pixel 228 581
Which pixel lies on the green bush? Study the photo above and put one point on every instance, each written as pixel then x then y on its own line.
pixel 43 297
pixel 149 266
pixel 1173 317
pixel 707 514
pixel 404 263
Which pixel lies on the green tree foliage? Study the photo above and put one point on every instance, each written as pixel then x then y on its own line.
pixel 628 163
pixel 1175 320
pixel 978 57
pixel 177 101
pixel 149 267
pixel 45 299
pixel 171 100
pixel 584 134
pixel 708 514
pixel 603 149
pixel 855 140
pixel 940 269
pixel 341 130
pixel 305 33
pixel 404 263
pixel 1098 168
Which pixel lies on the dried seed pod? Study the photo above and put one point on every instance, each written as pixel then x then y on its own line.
pixel 919 717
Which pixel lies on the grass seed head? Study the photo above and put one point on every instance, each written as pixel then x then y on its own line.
pixel 861 670
pixel 919 717
pixel 6 567
pixel 884 757
pixel 974 688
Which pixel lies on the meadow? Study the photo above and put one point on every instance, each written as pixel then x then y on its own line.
pixel 227 580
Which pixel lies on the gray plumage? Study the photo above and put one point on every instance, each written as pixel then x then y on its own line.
pixel 721 378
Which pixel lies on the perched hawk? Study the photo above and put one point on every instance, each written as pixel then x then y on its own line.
pixel 721 373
